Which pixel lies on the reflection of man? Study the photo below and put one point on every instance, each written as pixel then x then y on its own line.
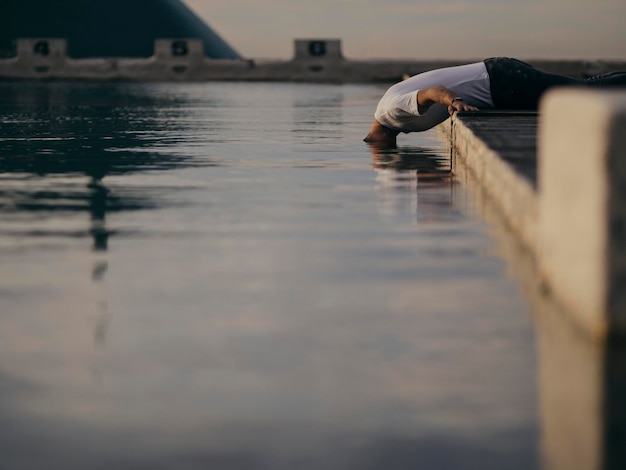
pixel 429 98
pixel 411 181
pixel 423 164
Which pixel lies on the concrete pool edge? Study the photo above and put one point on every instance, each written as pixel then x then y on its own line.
pixel 572 223
pixel 515 196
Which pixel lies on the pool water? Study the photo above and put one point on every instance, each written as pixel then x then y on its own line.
pixel 224 276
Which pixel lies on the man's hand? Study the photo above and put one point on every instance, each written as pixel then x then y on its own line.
pixel 440 94
pixel 460 105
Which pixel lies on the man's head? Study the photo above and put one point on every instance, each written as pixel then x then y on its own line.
pixel 381 135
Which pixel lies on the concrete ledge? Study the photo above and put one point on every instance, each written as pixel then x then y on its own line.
pixel 574 223
pixel 582 181
pixel 515 195
pixel 581 382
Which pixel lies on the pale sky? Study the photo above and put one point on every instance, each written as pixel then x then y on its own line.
pixel 416 29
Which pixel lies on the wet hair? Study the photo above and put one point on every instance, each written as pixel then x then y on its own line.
pixel 389 133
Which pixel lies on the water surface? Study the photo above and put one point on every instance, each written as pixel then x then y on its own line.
pixel 225 276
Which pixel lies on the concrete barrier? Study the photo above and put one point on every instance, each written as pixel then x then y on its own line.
pixel 515 195
pixel 582 205
pixel 581 383
pixel 184 59
pixel 39 58
pixel 574 223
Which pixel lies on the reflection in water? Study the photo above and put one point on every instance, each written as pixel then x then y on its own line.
pixel 424 161
pixel 97 210
pixel 99 270
pixel 318 117
pixel 59 143
pixel 212 276
pixel 582 382
pixel 413 180
pixel 583 385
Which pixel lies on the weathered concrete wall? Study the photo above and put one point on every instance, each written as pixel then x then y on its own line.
pixel 574 224
pixel 315 60
pixel 515 195
pixel 582 223
pixel 581 383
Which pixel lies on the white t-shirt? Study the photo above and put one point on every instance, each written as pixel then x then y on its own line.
pixel 397 109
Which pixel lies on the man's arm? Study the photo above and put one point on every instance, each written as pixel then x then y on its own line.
pixel 440 94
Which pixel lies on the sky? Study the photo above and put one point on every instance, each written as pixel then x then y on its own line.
pixel 424 29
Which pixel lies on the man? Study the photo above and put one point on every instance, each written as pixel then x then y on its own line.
pixel 429 98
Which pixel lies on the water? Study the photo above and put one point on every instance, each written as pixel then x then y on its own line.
pixel 225 276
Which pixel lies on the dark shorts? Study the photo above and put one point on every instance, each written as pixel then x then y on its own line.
pixel 518 85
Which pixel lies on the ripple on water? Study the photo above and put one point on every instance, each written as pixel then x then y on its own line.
pixel 225 275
